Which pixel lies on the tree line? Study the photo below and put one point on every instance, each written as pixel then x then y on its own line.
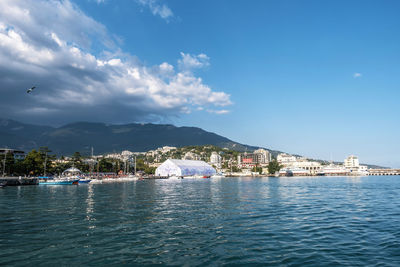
pixel 42 162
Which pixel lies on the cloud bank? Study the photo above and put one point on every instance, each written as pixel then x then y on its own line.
pixel 49 44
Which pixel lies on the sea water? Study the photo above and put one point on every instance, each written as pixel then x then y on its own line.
pixel 353 221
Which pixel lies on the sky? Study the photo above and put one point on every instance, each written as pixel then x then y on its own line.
pixel 315 78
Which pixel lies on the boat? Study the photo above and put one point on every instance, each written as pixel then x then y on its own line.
pixel 3 184
pixel 293 171
pixel 218 175
pixel 58 181
pixel 175 177
pixel 69 176
pixel 74 173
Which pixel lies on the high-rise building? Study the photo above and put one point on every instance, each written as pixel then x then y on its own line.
pixel 258 157
pixel 351 162
pixel 262 156
pixel 216 159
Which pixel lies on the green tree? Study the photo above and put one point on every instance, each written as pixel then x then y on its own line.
pixel 78 162
pixel 236 169
pixel 47 160
pixel 106 165
pixel 9 163
pixel 34 163
pixel 274 167
pixel 257 169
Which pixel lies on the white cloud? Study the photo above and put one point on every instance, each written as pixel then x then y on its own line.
pixel 189 62
pixel 219 112
pixel 357 75
pixel 156 8
pixel 48 44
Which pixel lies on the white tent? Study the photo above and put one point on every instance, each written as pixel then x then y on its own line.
pixel 184 168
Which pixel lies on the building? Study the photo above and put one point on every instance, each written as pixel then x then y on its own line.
pixel 126 155
pixel 286 158
pixel 351 162
pixel 262 156
pixel 166 149
pixel 311 166
pixel 216 159
pixel 177 167
pixel 334 170
pixel 259 157
pixel 246 160
pixel 191 156
pixel 17 154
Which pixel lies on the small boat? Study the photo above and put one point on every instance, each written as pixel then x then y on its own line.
pixel 218 175
pixel 3 184
pixel 84 181
pixel 59 182
pixel 174 177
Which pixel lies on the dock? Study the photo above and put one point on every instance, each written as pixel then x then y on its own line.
pixel 384 172
pixel 16 181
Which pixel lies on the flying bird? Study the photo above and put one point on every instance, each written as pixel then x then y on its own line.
pixel 30 89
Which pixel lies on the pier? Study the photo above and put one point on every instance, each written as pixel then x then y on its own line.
pixel 15 181
pixel 384 172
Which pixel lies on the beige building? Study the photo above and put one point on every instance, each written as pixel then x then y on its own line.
pixel 262 156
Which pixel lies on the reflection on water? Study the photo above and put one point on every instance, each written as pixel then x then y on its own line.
pixel 275 221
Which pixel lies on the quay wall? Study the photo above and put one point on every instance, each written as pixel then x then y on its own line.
pixel 15 181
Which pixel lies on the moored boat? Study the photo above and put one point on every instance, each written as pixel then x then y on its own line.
pixel 74 173
pixel 58 181
pixel 218 175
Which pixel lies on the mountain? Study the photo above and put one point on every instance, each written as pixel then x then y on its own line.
pixel 105 138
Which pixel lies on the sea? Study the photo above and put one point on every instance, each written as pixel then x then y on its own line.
pixel 294 221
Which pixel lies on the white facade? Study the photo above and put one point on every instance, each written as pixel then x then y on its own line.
pixel 351 162
pixel 333 169
pixel 286 158
pixel 177 167
pixel 191 156
pixel 310 166
pixel 166 149
pixel 216 159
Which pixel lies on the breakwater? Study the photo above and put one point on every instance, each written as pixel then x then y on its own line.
pixel 16 181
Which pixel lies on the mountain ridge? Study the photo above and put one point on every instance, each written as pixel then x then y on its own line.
pixel 107 138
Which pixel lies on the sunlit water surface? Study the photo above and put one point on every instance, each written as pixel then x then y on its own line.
pixel 275 221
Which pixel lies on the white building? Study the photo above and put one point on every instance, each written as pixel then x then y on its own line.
pixel 191 156
pixel 263 156
pixel 216 159
pixel 351 162
pixel 166 149
pixel 311 166
pixel 334 170
pixel 126 154
pixel 286 158
pixel 177 167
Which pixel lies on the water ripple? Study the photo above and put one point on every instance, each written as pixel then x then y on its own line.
pixel 230 221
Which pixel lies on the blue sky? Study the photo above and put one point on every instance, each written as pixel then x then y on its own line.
pixel 317 78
